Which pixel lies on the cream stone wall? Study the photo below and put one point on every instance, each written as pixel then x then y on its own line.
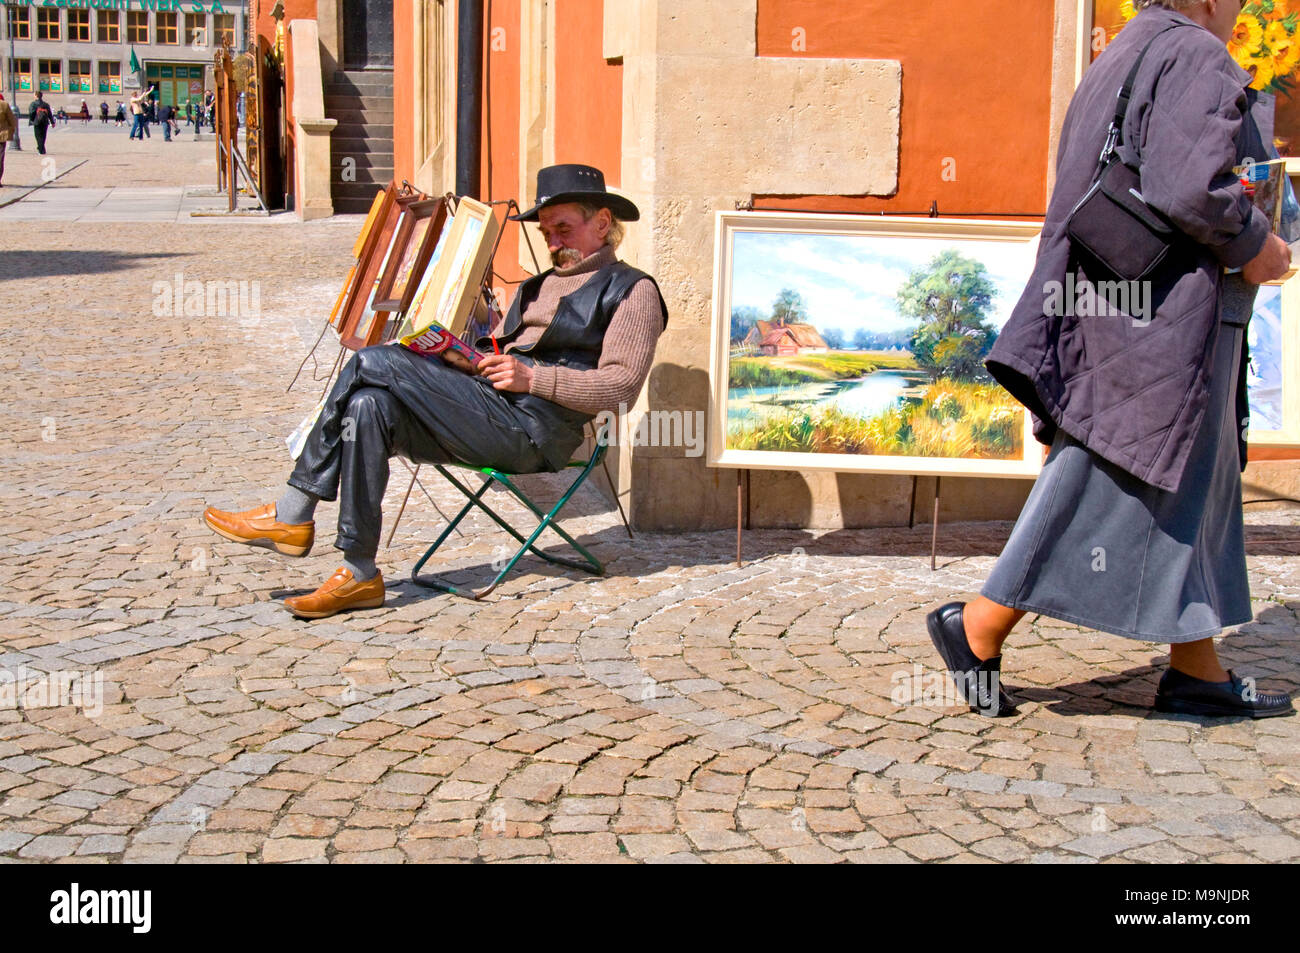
pixel 311 127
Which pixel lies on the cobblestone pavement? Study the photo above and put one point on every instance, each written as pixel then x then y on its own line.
pixel 679 709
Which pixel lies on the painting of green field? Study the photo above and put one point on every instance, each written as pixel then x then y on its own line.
pixel 871 346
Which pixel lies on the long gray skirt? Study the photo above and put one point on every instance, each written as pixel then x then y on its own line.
pixel 1097 547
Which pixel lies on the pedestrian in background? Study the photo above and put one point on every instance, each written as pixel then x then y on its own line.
pixel 40 117
pixel 189 112
pixel 8 126
pixel 1135 525
pixel 103 113
pixel 139 127
pixel 120 117
pixel 165 117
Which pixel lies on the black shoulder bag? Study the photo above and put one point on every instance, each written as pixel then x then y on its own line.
pixel 1113 225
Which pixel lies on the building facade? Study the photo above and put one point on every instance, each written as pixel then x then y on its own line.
pixel 103 50
pixel 691 108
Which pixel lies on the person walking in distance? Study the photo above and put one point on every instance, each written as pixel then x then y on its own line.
pixel 41 117
pixel 8 125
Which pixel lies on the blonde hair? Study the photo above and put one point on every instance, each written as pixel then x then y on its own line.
pixel 614 237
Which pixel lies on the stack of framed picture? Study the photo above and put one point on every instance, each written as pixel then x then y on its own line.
pixel 418 259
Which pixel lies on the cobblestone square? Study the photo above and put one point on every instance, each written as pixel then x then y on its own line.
pixel 678 709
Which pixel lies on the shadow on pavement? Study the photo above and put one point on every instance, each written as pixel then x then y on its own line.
pixel 1265 648
pixel 43 264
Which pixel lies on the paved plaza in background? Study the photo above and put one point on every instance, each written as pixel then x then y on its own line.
pixel 678 709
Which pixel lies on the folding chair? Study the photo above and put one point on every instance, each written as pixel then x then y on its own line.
pixel 589 564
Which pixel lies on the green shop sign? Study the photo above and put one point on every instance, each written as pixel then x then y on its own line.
pixel 159 6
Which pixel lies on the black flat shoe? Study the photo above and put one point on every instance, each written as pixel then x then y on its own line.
pixel 1181 694
pixel 980 683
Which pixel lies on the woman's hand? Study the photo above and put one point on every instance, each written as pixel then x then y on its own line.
pixel 1272 262
pixel 506 372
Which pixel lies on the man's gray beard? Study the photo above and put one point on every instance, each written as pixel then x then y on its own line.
pixel 566 257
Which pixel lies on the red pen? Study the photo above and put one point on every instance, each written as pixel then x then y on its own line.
pixel 494 343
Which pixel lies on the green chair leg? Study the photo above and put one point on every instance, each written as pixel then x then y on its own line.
pixel 588 563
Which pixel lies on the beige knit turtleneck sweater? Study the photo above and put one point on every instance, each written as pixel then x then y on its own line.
pixel 625 355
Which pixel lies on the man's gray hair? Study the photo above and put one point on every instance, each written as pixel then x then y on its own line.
pixel 1168 4
pixel 614 237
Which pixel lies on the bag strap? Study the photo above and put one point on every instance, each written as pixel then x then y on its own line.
pixel 1115 135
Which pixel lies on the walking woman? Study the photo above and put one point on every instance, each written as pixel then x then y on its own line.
pixel 1135 525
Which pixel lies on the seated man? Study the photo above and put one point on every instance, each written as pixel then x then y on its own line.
pixel 578 339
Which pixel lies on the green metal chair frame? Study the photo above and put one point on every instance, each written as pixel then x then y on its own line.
pixel 589 564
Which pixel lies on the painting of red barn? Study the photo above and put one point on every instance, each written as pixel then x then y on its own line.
pixel 854 343
pixel 785 340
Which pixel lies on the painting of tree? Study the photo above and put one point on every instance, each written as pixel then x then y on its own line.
pixel 951 298
pixel 789 308
pixel 742 321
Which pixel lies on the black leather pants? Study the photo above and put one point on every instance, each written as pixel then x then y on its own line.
pixel 389 401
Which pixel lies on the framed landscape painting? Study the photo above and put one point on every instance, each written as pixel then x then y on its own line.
pixel 356 316
pixel 856 343
pixel 1265 43
pixel 412 250
pixel 1271 374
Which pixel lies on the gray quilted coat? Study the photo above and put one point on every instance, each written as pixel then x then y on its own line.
pixel 1135 391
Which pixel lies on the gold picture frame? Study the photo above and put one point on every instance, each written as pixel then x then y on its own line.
pixel 447 294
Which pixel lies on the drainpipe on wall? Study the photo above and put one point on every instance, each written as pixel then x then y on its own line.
pixel 469 98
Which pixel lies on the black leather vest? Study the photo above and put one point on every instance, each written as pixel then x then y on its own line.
pixel 577 332
pixel 573 339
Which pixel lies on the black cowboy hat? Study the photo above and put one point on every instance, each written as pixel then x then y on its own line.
pixel 557 184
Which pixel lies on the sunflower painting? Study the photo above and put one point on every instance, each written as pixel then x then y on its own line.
pixel 1265 43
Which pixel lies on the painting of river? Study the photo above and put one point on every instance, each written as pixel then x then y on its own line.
pixel 870 343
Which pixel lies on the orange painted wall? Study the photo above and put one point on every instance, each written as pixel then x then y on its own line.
pixel 588 124
pixel 588 120
pixel 404 160
pixel 588 91
pixel 500 170
pixel 976 89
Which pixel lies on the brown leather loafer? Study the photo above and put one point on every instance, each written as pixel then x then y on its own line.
pixel 259 527
pixel 340 591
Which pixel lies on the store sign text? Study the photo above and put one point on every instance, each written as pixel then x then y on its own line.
pixel 159 6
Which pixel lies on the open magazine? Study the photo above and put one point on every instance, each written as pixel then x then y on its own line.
pixel 437 341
